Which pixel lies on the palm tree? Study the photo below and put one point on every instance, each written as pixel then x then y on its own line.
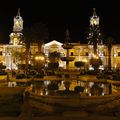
pixel 94 38
pixel 27 41
pixel 40 33
pixel 109 45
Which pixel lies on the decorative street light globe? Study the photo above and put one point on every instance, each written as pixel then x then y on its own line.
pixel 39 59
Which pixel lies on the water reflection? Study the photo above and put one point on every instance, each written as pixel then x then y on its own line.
pixel 78 87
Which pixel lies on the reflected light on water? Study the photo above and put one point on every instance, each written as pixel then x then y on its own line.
pixel 41 93
pixel 46 92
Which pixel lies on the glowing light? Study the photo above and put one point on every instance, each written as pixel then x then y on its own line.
pixel 115 55
pixel 36 58
pixel 94 22
pixel 90 94
pixel 41 93
pixel 53 42
pixel 15 41
pixel 95 56
pixel 46 93
pixel 84 60
pixel 101 67
pixel 103 94
pixel 91 68
pixel 86 90
pixel 39 58
pixel 17 23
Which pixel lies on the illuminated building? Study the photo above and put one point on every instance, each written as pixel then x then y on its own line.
pixel 81 52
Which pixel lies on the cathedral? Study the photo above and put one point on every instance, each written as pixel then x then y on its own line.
pixel 109 54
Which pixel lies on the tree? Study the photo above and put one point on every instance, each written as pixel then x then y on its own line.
pixel 2 67
pixel 94 36
pixel 40 33
pixel 79 89
pixel 53 66
pixel 79 64
pixel 96 90
pixel 54 56
pixel 18 57
pixel 95 62
pixel 67 84
pixel 52 87
pixel 109 45
pixel 27 41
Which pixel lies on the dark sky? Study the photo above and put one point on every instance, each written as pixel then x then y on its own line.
pixel 59 15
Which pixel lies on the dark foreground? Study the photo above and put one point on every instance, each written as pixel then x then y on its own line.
pixel 15 107
pixel 67 117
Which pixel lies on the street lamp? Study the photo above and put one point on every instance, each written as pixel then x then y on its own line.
pixel 39 59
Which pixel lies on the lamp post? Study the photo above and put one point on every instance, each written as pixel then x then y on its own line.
pixel 39 60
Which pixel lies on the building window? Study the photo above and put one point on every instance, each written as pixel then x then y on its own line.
pixel 71 53
pixel 118 53
pixel 86 54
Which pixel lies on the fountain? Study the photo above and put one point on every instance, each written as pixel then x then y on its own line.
pixel 67 46
pixel 67 72
pixel 69 100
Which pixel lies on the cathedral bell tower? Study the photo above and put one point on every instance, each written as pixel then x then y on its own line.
pixel 16 35
pixel 94 20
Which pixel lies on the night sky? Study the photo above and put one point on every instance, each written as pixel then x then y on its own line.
pixel 60 15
